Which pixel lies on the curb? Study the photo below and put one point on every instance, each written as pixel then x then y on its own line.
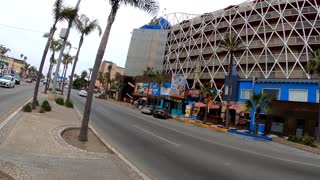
pixel 122 157
pixel 224 130
pixel 17 109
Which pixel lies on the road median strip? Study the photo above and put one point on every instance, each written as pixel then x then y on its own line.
pixel 199 124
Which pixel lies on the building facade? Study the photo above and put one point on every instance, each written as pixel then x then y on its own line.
pixel 8 64
pixel 114 70
pixel 146 49
pixel 277 37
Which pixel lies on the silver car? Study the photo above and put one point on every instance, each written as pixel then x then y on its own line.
pixel 7 81
pixel 148 109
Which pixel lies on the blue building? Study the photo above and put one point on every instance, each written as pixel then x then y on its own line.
pixel 297 90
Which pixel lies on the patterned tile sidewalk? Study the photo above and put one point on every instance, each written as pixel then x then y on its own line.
pixel 33 150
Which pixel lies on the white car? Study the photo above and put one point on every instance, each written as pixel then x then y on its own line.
pixel 7 81
pixel 83 93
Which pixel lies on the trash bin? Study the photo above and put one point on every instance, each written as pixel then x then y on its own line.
pixel 261 128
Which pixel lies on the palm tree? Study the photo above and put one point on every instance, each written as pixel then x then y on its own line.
pixel 207 93
pixel 59 13
pixel 84 74
pixel 67 59
pixel 26 68
pixel 150 6
pixel 160 80
pixel 231 43
pixel 150 74
pixel 257 103
pixel 85 27
pixel 90 71
pixel 3 51
pixel 313 67
pixel 108 79
pixel 55 46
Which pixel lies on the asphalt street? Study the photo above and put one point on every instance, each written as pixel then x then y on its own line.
pixel 11 98
pixel 166 149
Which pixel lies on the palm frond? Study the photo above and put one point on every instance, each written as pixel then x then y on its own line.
pixel 69 13
pixel 85 26
pixel 149 6
pixel 313 65
pixel 56 11
pixel 230 42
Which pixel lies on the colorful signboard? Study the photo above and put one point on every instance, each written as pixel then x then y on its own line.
pixel 178 86
pixel 143 88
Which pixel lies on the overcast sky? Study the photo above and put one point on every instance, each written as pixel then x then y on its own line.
pixel 23 22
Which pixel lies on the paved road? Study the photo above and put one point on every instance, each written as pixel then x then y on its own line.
pixel 172 150
pixel 11 98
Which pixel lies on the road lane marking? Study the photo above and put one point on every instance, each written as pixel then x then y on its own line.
pixel 166 140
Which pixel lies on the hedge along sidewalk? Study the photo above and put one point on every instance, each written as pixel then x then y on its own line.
pixel 199 124
pixel 296 145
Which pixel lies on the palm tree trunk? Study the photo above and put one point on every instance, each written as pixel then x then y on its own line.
pixel 43 59
pixel 48 79
pixel 229 90
pixel 74 68
pixel 64 76
pixel 106 90
pixel 83 136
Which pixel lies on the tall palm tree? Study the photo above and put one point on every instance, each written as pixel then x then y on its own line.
pixel 207 93
pixel 59 13
pixel 55 46
pixel 160 80
pixel 313 67
pixel 85 27
pixel 257 103
pixel 108 79
pixel 230 43
pixel 101 79
pixel 90 71
pixel 26 68
pixel 150 74
pixel 67 59
pixel 150 6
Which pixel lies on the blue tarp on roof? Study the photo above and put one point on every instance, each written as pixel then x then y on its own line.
pixel 157 23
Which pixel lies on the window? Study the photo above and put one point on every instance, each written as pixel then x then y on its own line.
pixel 246 93
pixel 272 94
pixel 298 95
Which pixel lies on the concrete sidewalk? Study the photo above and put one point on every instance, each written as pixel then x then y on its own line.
pixel 34 149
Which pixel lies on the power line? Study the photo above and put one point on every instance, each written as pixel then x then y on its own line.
pixel 24 29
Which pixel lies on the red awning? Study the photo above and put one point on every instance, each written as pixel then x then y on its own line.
pixel 200 105
pixel 214 106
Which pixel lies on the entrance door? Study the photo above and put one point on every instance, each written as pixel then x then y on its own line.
pixel 167 106
pixel 300 127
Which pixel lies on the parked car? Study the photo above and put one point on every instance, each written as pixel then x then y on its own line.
pixel 7 81
pixel 83 93
pixel 29 81
pixel 148 109
pixel 17 79
pixel 161 113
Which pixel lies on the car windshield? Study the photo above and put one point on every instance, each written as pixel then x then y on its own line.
pixel 6 77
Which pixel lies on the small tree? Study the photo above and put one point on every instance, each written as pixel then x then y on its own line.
pixel 313 67
pixel 207 93
pixel 257 103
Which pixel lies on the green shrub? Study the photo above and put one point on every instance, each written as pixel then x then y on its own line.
pixel 60 101
pixel 69 104
pixel 295 139
pixel 308 140
pixel 37 103
pixel 46 106
pixel 42 110
pixel 27 108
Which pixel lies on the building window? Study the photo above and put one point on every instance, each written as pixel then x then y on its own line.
pixel 298 95
pixel 246 93
pixel 272 94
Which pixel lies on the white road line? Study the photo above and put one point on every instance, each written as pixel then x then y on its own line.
pixel 166 140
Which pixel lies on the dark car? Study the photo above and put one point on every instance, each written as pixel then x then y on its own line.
pixel 17 79
pixel 161 113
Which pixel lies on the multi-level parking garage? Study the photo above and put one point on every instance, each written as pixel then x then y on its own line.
pixel 277 37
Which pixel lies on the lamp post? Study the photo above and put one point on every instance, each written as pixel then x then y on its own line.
pixel 65 38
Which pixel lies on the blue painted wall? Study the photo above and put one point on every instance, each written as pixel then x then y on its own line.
pixel 284 89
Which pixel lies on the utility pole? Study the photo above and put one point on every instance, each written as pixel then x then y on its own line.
pixel 54 86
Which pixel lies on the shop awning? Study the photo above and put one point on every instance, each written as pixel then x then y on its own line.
pixel 213 106
pixel 200 105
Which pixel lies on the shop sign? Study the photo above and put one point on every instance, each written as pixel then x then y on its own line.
pixel 193 92
pixel 178 86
